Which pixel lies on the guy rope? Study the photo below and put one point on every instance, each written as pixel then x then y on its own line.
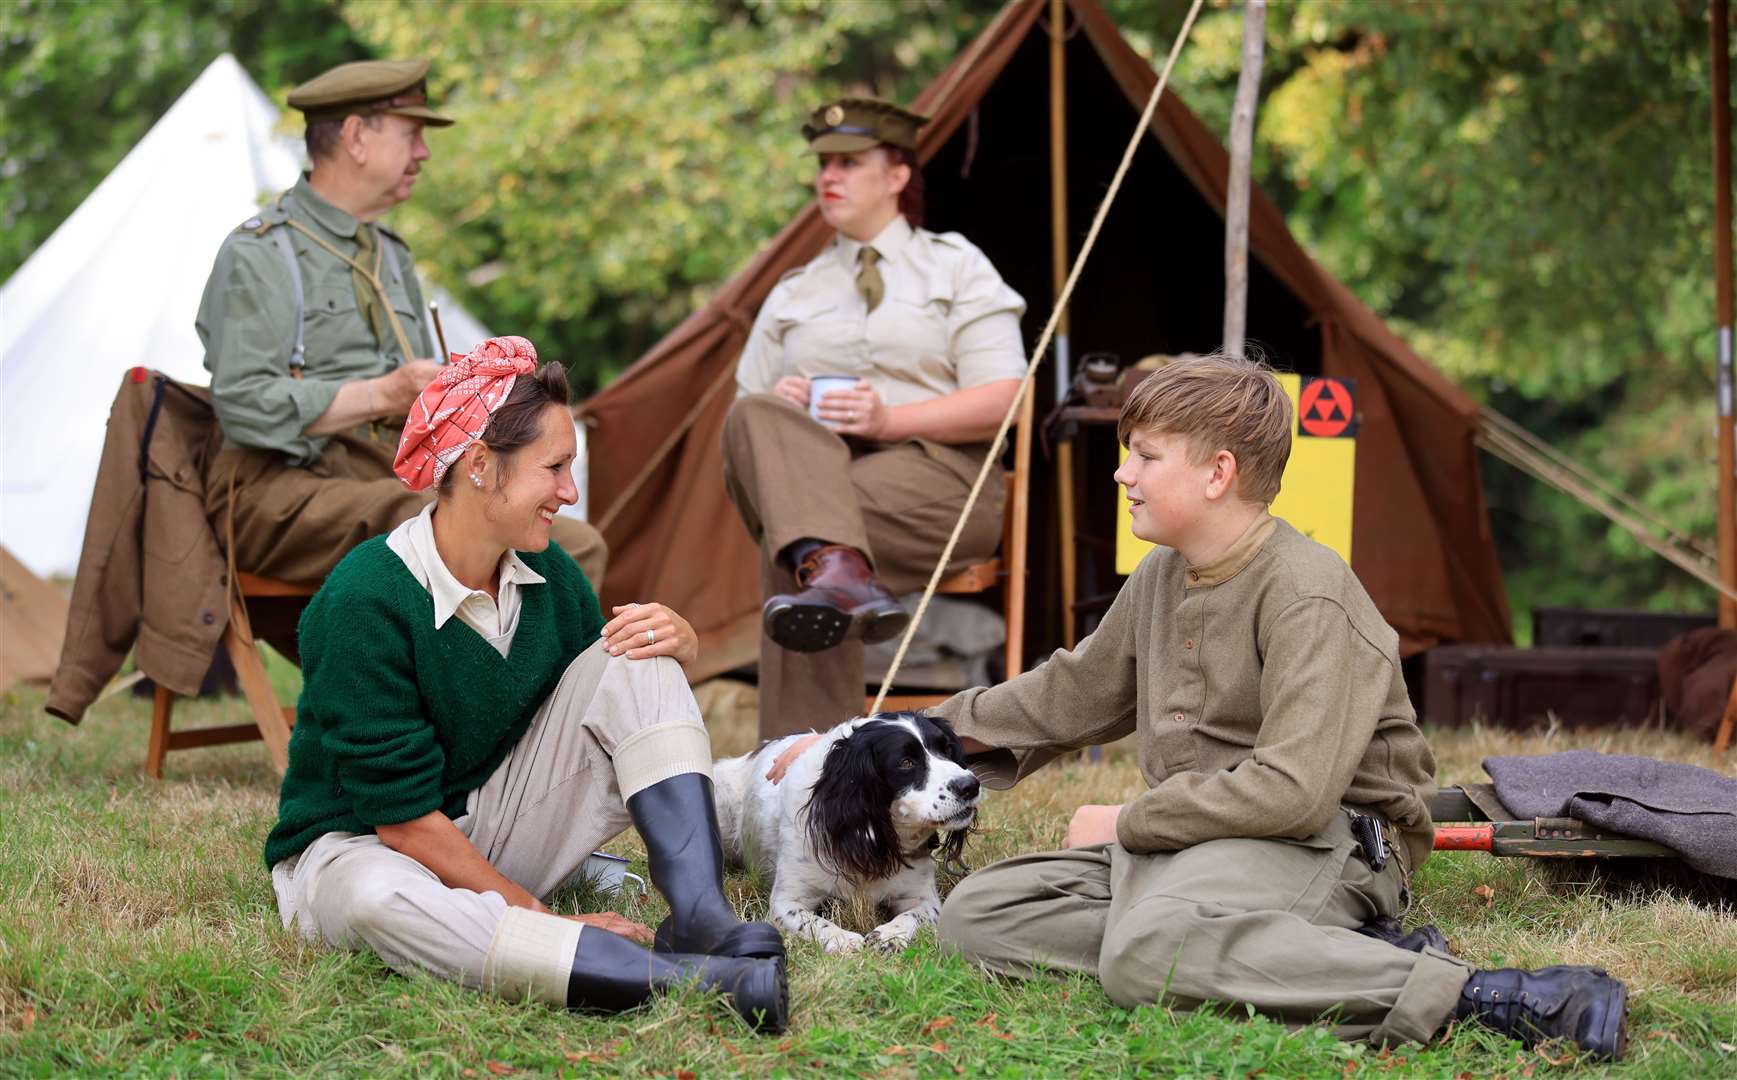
pixel 1037 353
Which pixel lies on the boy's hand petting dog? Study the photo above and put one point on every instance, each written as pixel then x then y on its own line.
pixel 641 631
pixel 781 764
pixel 1092 824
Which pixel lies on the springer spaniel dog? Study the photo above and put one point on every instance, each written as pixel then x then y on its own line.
pixel 857 814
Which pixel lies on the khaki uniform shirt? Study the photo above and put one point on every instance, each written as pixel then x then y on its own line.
pixel 247 322
pixel 947 321
pixel 1264 689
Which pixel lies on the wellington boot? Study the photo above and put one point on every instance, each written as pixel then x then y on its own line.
pixel 611 973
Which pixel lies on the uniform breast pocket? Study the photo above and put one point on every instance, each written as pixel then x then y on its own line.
pixel 910 335
pixel 819 338
pixel 330 309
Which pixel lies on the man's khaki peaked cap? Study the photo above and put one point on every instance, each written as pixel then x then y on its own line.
pixel 365 87
pixel 858 123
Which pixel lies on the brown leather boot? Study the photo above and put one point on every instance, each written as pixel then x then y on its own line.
pixel 840 599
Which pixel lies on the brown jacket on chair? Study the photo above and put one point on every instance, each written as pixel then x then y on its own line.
pixel 151 570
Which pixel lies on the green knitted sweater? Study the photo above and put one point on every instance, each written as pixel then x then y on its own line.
pixel 396 718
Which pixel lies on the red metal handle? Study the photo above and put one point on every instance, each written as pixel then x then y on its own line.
pixel 1465 837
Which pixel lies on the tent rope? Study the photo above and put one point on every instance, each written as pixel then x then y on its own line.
pixel 1037 354
pixel 1497 435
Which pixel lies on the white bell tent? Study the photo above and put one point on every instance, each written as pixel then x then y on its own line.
pixel 117 286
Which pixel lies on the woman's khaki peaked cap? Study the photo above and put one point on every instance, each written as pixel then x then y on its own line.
pixel 858 123
pixel 366 87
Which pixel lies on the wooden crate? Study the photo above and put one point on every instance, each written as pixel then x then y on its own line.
pixel 1609 628
pixel 1520 688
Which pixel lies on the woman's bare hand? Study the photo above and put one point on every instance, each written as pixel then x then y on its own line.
pixel 794 389
pixel 616 924
pixel 857 411
pixel 641 631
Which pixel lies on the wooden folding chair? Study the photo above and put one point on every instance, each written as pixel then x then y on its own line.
pixel 272 720
pixel 1007 570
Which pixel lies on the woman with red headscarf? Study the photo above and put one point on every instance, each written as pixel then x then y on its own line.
pixel 470 729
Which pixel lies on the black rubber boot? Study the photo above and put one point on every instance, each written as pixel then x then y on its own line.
pixel 1581 1004
pixel 612 974
pixel 679 824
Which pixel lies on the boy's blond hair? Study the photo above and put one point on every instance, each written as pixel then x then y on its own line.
pixel 1218 402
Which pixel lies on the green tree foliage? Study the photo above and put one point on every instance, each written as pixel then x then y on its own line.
pixel 1523 189
pixel 1525 192
pixel 81 82
pixel 614 161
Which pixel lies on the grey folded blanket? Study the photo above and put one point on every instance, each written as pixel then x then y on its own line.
pixel 1692 811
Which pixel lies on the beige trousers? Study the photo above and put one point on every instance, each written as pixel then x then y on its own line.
pixel 791 478
pixel 1267 923
pixel 612 728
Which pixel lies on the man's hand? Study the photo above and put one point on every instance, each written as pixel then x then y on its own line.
pixel 616 924
pixel 794 389
pixel 394 393
pixel 1092 824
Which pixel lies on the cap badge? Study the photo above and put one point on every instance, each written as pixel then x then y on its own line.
pixel 835 116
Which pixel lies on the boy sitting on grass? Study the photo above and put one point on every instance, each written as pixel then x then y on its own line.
pixel 1289 783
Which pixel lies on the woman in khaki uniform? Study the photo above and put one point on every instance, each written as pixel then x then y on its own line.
pixel 852 489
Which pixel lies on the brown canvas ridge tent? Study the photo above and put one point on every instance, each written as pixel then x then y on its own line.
pixel 32 622
pixel 1421 540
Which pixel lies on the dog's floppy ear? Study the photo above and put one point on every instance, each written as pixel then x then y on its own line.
pixel 955 748
pixel 850 821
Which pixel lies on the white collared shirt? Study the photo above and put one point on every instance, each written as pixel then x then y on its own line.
pixel 947 321
pixel 496 619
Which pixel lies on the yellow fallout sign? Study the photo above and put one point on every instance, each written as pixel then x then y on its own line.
pixel 1315 495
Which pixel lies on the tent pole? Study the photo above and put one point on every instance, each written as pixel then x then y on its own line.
pixel 1721 46
pixel 1248 88
pixel 1058 220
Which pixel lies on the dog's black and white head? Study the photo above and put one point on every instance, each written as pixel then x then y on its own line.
pixel 886 791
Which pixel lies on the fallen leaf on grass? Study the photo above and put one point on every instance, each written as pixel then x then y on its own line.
pixel 785 1046
pixel 28 1020
pixel 937 1047
pixel 468 1072
pixel 937 1024
pixel 683 1074
pixel 1729 1048
pixel 1350 1067
pixel 895 1051
pixel 499 1068
pixel 1487 893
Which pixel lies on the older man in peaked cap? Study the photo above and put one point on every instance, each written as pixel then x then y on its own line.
pixel 317 339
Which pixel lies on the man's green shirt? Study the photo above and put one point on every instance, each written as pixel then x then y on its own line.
pixel 247 322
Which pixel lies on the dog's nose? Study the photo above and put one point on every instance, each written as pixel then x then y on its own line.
pixel 965 787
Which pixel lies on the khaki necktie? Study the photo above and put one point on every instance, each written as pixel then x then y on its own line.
pixel 868 277
pixel 367 300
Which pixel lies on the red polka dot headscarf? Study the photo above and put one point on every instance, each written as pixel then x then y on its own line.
pixel 454 409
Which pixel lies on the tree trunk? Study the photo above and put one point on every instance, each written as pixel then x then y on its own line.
pixel 1248 87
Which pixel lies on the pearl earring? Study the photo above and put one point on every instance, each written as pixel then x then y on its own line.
pixel 475 479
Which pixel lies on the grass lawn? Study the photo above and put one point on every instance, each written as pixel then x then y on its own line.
pixel 138 934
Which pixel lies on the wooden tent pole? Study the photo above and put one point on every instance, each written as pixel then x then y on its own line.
pixel 1721 46
pixel 1248 88
pixel 1058 221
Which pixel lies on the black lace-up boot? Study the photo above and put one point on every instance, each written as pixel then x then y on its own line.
pixel 1583 1005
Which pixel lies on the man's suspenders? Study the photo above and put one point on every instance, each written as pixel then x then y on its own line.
pixel 298 354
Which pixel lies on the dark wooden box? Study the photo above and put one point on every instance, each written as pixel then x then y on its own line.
pixel 1608 628
pixel 1521 688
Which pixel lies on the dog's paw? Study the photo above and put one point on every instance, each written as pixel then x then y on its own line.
pixel 842 941
pixel 887 940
